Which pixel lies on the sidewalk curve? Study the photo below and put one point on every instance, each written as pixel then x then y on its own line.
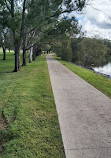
pixel 84 114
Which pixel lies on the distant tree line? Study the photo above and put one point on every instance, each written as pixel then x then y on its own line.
pixel 84 51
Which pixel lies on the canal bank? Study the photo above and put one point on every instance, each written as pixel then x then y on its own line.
pixel 105 70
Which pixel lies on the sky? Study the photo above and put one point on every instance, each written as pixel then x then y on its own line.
pixel 96 22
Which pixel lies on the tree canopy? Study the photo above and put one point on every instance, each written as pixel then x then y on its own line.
pixel 35 21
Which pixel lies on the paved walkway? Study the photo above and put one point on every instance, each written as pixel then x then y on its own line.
pixel 84 114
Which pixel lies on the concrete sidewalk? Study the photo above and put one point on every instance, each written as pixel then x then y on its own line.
pixel 84 114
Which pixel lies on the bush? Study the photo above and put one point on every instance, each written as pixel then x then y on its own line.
pixel 83 51
pixel 64 50
pixel 66 54
pixel 88 51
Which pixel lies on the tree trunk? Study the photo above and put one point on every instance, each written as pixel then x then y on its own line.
pixel 16 61
pixel 30 56
pixel 17 58
pixel 34 53
pixel 4 53
pixel 38 52
pixel 18 40
pixel 24 52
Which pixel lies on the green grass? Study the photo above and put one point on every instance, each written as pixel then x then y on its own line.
pixel 98 81
pixel 27 104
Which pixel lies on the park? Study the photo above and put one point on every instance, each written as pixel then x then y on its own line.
pixel 55 98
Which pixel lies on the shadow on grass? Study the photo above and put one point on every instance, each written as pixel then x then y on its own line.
pixel 7 72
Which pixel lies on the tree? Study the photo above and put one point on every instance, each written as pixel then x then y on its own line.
pixel 33 17
pixel 90 51
pixel 14 21
pixel 3 42
pixel 42 17
pixel 61 36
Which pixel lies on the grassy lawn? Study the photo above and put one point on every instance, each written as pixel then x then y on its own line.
pixel 28 108
pixel 98 81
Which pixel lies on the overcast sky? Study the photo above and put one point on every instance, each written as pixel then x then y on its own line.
pixel 97 22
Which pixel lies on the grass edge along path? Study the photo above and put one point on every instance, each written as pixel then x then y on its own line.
pixel 96 80
pixel 30 111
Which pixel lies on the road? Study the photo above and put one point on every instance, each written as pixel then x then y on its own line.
pixel 84 114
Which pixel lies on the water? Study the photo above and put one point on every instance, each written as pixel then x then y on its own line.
pixel 106 69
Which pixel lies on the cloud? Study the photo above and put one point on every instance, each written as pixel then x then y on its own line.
pixel 96 21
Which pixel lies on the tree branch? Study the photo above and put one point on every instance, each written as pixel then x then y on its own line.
pixel 8 7
pixel 31 46
pixel 29 31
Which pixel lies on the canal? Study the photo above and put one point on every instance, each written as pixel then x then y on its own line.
pixel 106 69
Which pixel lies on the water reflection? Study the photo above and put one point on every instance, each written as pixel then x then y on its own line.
pixel 104 69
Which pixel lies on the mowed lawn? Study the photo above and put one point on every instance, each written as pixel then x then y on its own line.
pixel 98 81
pixel 28 118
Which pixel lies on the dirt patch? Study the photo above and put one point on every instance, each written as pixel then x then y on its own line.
pixel 1 148
pixel 3 125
